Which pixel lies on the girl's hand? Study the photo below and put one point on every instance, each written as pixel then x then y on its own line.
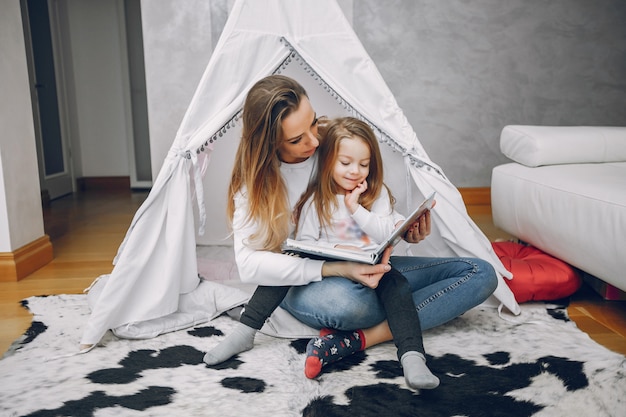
pixel 419 230
pixel 352 197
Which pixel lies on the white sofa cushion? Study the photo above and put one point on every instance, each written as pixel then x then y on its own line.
pixel 550 145
pixel 576 213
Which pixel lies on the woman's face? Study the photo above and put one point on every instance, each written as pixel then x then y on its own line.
pixel 299 134
pixel 352 164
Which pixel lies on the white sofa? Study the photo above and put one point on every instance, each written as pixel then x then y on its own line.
pixel 565 193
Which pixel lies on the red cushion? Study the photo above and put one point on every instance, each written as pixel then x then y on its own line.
pixel 536 275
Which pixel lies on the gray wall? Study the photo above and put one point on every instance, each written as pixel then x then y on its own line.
pixel 463 70
pixel 460 70
pixel 178 41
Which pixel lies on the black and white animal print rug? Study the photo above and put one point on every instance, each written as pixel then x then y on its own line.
pixel 537 364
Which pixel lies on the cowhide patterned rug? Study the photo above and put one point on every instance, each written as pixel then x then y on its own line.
pixel 538 364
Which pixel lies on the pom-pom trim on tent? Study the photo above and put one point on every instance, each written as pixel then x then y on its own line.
pixel 294 56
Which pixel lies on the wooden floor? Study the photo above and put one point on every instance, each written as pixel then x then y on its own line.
pixel 604 321
pixel 87 228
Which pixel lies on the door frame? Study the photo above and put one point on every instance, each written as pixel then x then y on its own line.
pixel 134 110
pixel 49 184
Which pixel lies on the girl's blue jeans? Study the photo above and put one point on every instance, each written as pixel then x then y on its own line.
pixel 442 289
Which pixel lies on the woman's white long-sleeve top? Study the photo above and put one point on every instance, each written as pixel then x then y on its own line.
pixel 269 268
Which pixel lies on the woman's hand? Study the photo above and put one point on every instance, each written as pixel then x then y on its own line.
pixel 367 275
pixel 419 230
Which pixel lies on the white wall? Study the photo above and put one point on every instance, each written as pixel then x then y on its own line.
pixel 21 220
pixel 99 111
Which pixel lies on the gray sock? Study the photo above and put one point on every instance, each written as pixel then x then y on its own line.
pixel 416 373
pixel 239 340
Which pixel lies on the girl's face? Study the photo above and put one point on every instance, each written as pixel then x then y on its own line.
pixel 299 134
pixel 352 164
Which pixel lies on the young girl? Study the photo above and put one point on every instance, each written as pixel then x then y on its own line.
pixel 349 206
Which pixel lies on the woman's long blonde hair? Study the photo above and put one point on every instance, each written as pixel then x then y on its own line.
pixel 257 164
pixel 323 187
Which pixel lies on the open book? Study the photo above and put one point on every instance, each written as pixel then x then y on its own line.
pixel 371 257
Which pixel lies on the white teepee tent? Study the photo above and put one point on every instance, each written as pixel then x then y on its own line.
pixel 312 42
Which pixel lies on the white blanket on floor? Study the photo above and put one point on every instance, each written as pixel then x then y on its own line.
pixel 206 302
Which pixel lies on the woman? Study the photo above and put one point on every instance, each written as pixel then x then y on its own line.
pixel 274 163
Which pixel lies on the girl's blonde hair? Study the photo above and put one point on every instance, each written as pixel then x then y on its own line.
pixel 323 188
pixel 257 163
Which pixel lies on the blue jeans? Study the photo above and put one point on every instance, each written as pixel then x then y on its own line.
pixel 442 289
